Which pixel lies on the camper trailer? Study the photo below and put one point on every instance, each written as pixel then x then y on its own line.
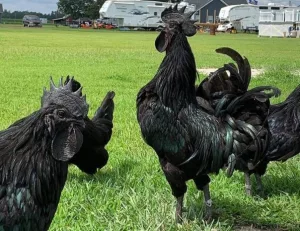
pixel 241 17
pixel 137 13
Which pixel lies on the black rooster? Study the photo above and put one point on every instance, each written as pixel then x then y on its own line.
pixel 235 80
pixel 96 134
pixel 284 126
pixel 189 141
pixel 284 122
pixel 34 155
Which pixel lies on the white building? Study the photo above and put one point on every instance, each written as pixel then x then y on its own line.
pixel 277 20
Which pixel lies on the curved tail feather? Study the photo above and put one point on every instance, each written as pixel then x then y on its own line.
pixel 106 109
pixel 244 111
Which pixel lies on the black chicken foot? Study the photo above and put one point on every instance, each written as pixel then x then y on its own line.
pixel 260 187
pixel 178 214
pixel 208 204
pixel 248 184
pixel 231 163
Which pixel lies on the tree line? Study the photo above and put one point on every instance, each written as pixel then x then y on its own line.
pixel 20 14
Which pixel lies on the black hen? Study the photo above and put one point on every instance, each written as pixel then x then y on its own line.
pixel 284 122
pixel 96 135
pixel 189 141
pixel 232 80
pixel 34 155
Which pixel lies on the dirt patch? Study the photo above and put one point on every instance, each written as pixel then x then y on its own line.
pixel 206 71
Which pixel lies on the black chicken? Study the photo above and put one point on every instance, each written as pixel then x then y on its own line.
pixel 189 141
pixel 283 122
pixel 34 155
pixel 235 80
pixel 96 134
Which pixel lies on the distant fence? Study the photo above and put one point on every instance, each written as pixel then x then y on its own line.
pixel 17 21
pixel 11 21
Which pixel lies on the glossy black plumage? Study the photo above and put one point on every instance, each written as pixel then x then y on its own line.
pixel 188 137
pixel 96 134
pixel 34 154
pixel 262 120
pixel 284 124
pixel 253 110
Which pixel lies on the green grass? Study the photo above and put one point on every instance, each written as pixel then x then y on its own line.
pixel 131 193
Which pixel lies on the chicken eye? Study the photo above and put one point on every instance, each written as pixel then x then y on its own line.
pixel 61 114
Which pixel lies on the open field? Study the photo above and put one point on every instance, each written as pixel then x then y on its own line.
pixel 131 193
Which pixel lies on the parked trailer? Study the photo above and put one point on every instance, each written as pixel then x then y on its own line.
pixel 137 13
pixel 240 17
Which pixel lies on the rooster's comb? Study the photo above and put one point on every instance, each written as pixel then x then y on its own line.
pixel 62 94
pixel 173 14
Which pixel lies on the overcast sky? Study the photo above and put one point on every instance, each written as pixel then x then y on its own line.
pixel 46 6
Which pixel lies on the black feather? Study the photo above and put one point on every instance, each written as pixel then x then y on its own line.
pixel 31 180
pixel 192 139
pixel 284 124
pixel 96 134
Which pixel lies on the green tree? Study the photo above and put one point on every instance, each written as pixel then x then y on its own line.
pixel 76 8
pixel 81 8
pixel 92 11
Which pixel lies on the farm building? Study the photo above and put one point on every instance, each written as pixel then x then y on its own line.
pixel 1 11
pixel 279 21
pixel 66 20
pixel 208 10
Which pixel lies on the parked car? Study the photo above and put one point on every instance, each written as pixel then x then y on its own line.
pixel 227 26
pixel 31 20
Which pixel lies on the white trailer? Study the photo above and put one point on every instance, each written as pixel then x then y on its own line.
pixel 137 13
pixel 241 17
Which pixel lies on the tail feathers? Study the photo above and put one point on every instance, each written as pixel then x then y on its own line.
pixel 247 116
pixel 257 95
pixel 248 141
pixel 227 79
pixel 244 67
pixel 232 104
pixel 106 109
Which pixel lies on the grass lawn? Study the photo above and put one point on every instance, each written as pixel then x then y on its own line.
pixel 130 192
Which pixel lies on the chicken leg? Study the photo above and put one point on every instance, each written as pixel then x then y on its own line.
pixel 179 207
pixel 208 203
pixel 260 187
pixel 248 186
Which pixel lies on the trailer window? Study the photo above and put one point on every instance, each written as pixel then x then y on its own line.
pixel 263 7
pixel 158 4
pixel 155 13
pixel 275 8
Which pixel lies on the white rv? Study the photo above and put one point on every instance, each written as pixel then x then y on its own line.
pixel 137 13
pixel 241 17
